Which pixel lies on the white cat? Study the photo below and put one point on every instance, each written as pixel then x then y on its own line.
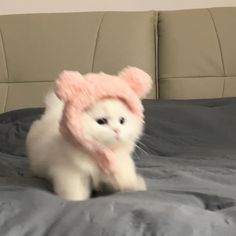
pixel 73 172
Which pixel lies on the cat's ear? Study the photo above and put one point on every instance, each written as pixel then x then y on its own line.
pixel 69 84
pixel 139 81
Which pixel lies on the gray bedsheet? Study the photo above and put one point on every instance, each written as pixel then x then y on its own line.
pixel 187 156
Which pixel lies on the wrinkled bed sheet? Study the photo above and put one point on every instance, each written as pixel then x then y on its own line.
pixel 187 156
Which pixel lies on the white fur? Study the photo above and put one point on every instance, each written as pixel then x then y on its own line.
pixel 72 171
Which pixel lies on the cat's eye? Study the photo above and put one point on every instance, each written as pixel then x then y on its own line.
pixel 122 120
pixel 102 121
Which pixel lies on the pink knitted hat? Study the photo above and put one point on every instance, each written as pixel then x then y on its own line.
pixel 79 93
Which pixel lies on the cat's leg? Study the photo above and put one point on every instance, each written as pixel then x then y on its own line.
pixel 70 184
pixel 140 183
pixel 130 182
pixel 126 178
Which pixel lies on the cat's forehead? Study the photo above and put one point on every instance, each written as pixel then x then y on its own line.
pixel 110 107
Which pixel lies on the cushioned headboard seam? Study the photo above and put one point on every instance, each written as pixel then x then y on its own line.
pixel 4 56
pixel 218 39
pixel 96 41
pixel 6 98
pixel 28 82
pixel 220 47
pixel 223 89
pixel 156 79
pixel 200 76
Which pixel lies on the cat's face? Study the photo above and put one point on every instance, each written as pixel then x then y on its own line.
pixel 111 123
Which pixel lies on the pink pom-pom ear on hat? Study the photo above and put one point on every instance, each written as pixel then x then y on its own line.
pixel 138 80
pixel 69 84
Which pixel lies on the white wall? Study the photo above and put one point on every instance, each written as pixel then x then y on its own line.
pixel 36 6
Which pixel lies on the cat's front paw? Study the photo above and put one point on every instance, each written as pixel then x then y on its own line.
pixel 140 184
pixel 135 184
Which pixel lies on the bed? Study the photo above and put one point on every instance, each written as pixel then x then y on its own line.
pixel 187 153
pixel 186 156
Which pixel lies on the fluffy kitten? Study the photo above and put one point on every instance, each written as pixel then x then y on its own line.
pixel 72 171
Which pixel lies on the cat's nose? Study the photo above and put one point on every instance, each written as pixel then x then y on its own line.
pixel 116 130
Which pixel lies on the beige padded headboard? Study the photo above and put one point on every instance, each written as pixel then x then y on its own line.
pixel 35 48
pixel 189 53
pixel 197 53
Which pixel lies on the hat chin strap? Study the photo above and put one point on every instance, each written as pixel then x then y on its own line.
pixel 72 131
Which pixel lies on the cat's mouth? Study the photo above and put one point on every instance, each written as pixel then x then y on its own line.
pixel 114 146
pixel 117 137
pixel 116 142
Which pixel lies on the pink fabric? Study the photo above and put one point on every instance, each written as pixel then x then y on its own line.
pixel 81 92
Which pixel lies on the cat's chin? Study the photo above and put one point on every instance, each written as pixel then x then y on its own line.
pixel 119 145
pixel 113 145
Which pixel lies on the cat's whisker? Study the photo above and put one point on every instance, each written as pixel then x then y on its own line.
pixel 141 149
pixel 147 135
pixel 142 144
